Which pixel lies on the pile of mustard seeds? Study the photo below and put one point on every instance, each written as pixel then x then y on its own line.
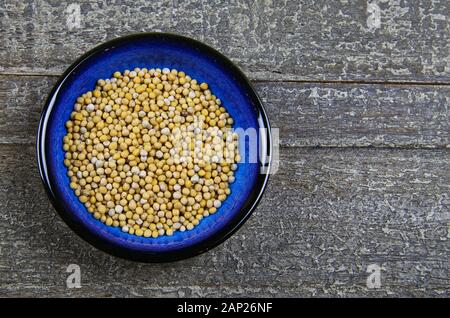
pixel 150 151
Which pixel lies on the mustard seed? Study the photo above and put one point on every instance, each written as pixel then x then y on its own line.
pixel 150 151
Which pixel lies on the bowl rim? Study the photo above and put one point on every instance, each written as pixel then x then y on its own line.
pixel 135 255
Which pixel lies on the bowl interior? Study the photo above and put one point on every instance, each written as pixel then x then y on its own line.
pixel 151 52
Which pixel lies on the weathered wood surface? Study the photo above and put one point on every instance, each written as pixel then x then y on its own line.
pixel 325 217
pixel 326 115
pixel 360 40
pixel 360 92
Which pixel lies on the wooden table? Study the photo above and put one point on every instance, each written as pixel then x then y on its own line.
pixel 360 93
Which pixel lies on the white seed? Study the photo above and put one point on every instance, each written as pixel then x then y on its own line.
pixel 135 170
pixel 215 159
pixel 217 204
pixel 146 124
pixel 142 173
pixel 162 186
pixel 176 225
pixel 177 195
pixel 143 152
pixel 90 108
pixel 195 178
pixel 99 164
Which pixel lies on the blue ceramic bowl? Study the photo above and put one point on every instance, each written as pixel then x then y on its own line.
pixel 152 50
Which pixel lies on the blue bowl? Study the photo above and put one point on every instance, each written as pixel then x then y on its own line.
pixel 152 50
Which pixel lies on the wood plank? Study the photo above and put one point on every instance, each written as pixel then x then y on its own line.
pixel 21 102
pixel 327 215
pixel 271 40
pixel 339 115
pixel 327 115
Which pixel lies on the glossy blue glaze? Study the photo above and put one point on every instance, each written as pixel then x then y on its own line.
pixel 149 52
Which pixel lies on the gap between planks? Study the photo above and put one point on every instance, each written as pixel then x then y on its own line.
pixel 344 82
pixel 315 147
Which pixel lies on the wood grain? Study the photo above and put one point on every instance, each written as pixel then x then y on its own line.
pixel 360 92
pixel 271 40
pixel 325 115
pixel 326 216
